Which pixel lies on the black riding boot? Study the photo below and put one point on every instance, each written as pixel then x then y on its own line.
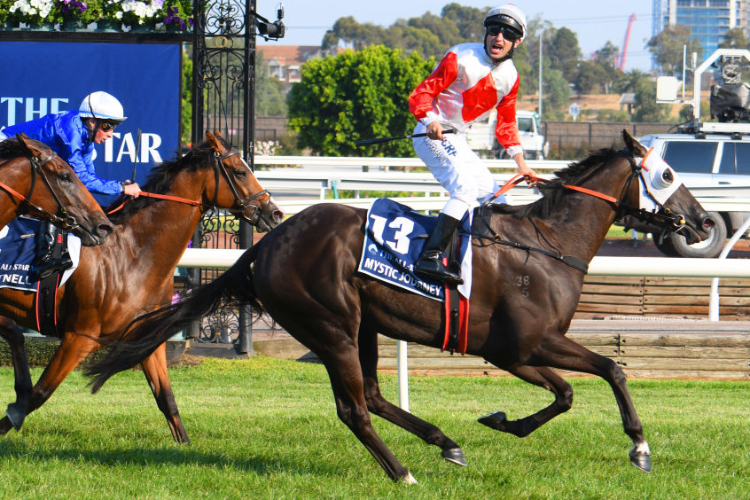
pixel 44 263
pixel 430 264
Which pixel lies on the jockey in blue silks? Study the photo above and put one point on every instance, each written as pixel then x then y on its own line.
pixel 72 135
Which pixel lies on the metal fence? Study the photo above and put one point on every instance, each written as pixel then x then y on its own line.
pixel 586 135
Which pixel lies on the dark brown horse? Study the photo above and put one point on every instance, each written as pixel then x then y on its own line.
pixel 304 273
pixel 132 272
pixel 35 181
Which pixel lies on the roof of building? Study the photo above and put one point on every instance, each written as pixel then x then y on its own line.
pixel 287 55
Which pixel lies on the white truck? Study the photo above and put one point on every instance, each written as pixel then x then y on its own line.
pixel 481 136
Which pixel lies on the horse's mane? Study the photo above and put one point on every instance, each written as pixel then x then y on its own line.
pixel 13 148
pixel 552 191
pixel 160 178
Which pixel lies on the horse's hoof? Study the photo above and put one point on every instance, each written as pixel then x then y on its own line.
pixel 641 460
pixel 15 416
pixel 495 421
pixel 455 455
pixel 408 478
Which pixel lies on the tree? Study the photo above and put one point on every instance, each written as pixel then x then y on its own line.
pixel 357 95
pixel 270 98
pixel 556 92
pixel 468 20
pixel 564 53
pixel 734 38
pixel 590 78
pixel 668 45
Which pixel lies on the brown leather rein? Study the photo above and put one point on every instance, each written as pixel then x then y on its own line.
pixel 664 217
pixel 240 204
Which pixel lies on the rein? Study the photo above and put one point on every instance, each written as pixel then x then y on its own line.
pixel 664 217
pixel 239 203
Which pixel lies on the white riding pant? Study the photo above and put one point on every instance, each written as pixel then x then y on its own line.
pixel 458 169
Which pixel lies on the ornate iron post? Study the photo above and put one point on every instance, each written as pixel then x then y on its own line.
pixel 224 100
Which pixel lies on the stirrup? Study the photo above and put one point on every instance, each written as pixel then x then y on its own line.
pixel 38 273
pixel 434 270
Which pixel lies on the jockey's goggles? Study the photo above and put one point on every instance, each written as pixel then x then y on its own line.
pixel 107 125
pixel 509 33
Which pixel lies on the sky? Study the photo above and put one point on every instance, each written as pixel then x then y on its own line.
pixel 308 20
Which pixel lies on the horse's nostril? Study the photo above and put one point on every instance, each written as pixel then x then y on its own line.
pixel 708 223
pixel 105 229
pixel 278 214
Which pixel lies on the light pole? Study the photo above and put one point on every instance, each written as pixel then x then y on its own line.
pixel 541 69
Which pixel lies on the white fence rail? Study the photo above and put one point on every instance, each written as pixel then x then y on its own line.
pixel 320 176
pixel 603 266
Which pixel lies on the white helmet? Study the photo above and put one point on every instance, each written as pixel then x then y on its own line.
pixel 102 106
pixel 509 15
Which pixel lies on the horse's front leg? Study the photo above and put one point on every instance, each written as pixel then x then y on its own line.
pixel 558 351
pixel 155 369
pixel 542 377
pixel 16 412
pixel 73 349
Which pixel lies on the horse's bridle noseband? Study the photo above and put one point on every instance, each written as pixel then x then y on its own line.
pixel 240 204
pixel 62 218
pixel 664 218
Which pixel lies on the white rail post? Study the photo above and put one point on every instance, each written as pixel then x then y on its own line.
pixel 713 301
pixel 403 376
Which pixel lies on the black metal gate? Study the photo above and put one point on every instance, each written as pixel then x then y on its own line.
pixel 223 100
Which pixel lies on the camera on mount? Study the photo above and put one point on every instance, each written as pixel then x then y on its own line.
pixel 730 101
pixel 272 30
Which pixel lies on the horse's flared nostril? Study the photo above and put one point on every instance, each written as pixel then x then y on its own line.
pixel 708 223
pixel 104 230
pixel 278 215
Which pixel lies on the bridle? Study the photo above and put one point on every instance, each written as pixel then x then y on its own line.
pixel 240 204
pixel 663 217
pixel 62 218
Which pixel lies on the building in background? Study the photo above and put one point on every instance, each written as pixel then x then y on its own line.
pixel 708 20
pixel 284 62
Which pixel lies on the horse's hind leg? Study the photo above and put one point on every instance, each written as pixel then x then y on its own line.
pixel 16 412
pixel 155 369
pixel 377 404
pixel 345 373
pixel 558 351
pixel 542 377
pixel 330 335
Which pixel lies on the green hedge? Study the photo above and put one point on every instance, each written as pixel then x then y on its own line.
pixel 39 352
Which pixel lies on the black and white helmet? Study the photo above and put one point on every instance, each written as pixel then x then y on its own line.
pixel 508 15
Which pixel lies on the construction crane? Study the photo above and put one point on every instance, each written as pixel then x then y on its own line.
pixel 620 63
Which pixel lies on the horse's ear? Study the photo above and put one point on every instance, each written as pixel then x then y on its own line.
pixel 32 148
pixel 213 141
pixel 633 146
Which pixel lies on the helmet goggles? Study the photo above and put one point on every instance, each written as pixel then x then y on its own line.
pixel 505 25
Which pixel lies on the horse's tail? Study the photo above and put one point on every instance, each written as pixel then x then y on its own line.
pixel 149 331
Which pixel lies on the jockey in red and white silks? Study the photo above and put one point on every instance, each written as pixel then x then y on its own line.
pixel 470 81
pixel 464 88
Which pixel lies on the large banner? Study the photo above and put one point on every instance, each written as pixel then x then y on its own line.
pixel 50 77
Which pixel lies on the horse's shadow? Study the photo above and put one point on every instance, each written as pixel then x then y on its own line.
pixel 148 457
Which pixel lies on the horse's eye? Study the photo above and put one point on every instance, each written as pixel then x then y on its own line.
pixel 66 178
pixel 667 177
pixel 240 174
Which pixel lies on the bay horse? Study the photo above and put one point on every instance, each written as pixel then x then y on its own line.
pixel 304 274
pixel 133 271
pixel 34 181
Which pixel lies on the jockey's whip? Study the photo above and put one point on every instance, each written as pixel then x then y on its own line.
pixel 137 154
pixel 366 142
